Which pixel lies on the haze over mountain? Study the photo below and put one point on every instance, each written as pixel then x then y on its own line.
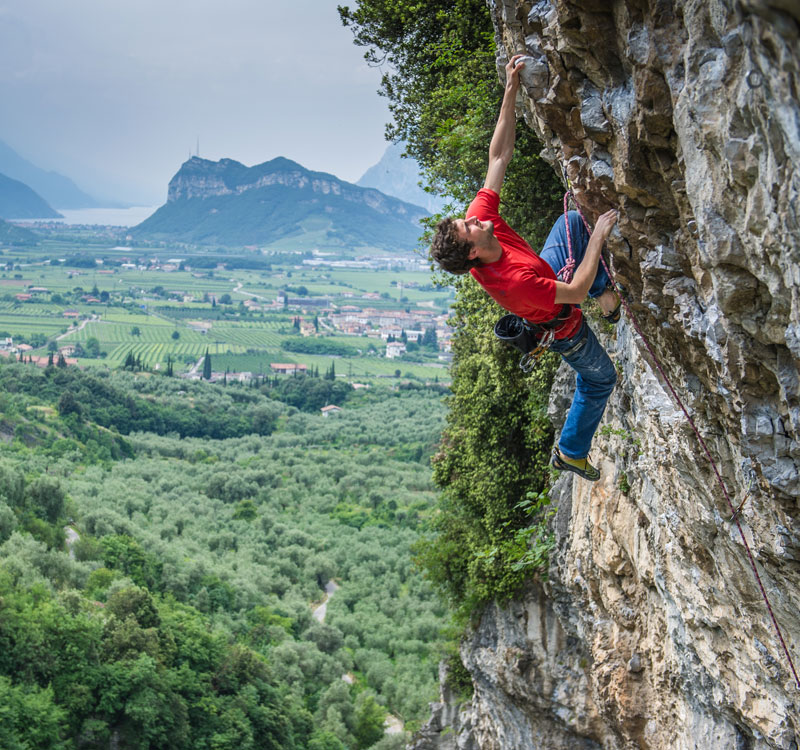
pixel 279 201
pixel 400 177
pixel 56 189
pixel 18 201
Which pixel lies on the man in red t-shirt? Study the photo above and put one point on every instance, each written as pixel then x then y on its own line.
pixel 526 284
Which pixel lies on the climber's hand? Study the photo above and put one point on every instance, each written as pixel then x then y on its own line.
pixel 512 70
pixel 606 223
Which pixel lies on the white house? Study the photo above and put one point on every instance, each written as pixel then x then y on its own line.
pixel 395 349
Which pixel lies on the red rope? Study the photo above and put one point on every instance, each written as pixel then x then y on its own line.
pixel 565 274
pixel 702 442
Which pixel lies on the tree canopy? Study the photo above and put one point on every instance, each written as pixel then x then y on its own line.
pixel 444 96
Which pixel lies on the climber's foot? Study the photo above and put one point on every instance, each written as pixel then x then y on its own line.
pixel 610 304
pixel 579 466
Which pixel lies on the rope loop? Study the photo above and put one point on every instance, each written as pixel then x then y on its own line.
pixel 565 274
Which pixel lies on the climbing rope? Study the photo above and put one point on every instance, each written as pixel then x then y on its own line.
pixel 637 328
pixel 565 274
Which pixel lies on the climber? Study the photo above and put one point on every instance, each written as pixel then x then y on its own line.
pixel 525 284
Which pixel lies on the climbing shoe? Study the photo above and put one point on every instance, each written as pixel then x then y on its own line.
pixel 615 314
pixel 579 466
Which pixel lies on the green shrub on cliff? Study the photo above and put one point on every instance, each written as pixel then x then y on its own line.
pixel 491 463
pixel 444 95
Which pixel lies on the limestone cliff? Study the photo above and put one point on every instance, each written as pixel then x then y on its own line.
pixel 650 631
pixel 279 201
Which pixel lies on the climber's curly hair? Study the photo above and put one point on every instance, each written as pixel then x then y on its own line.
pixel 449 250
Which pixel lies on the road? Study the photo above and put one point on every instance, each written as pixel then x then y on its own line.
pixel 72 537
pixel 79 328
pixel 318 613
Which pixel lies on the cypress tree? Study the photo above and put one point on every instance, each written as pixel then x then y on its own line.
pixel 207 366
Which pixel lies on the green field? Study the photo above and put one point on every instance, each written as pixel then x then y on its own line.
pixel 158 314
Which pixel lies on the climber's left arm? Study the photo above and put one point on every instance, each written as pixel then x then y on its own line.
pixel 501 149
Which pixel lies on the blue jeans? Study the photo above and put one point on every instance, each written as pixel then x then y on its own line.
pixel 596 376
pixel 555 250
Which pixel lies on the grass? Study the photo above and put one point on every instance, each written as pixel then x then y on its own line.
pixel 167 327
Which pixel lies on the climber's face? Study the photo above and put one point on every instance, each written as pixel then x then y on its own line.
pixel 478 232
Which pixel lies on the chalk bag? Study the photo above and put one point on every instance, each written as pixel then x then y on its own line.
pixel 513 330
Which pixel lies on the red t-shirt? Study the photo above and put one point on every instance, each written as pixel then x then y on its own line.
pixel 520 282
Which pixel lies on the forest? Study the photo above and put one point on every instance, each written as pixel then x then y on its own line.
pixel 156 588
pixel 204 521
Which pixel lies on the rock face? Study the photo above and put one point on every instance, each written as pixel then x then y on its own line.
pixel 651 631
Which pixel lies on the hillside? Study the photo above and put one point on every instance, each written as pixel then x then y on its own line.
pixel 278 203
pixel 18 201
pixel 55 188
pixel 13 235
pixel 175 611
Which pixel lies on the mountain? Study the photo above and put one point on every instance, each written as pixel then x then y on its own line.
pixel 56 189
pixel 279 201
pixel 13 235
pixel 18 201
pixel 398 176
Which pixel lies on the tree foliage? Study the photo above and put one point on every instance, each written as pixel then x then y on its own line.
pixel 184 618
pixel 493 455
pixel 444 95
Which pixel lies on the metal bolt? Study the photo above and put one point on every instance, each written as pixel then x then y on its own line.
pixel 754 79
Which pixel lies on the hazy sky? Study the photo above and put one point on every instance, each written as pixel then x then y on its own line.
pixel 114 93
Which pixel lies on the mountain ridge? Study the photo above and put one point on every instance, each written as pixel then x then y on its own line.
pixel 57 189
pixel 279 200
pixel 399 177
pixel 19 201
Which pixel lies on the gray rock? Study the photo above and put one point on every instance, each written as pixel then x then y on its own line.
pixel 651 631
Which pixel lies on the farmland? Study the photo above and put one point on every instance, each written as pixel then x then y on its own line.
pixel 79 293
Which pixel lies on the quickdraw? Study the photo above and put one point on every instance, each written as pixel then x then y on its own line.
pixel 528 361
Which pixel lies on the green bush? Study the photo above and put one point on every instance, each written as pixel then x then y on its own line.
pixel 493 457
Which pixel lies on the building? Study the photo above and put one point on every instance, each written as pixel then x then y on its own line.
pixel 327 410
pixel 287 368
pixel 394 332
pixel 395 349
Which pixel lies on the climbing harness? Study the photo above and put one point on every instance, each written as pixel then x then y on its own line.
pixel 533 339
pixel 720 481
pixel 523 336
pixel 528 361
